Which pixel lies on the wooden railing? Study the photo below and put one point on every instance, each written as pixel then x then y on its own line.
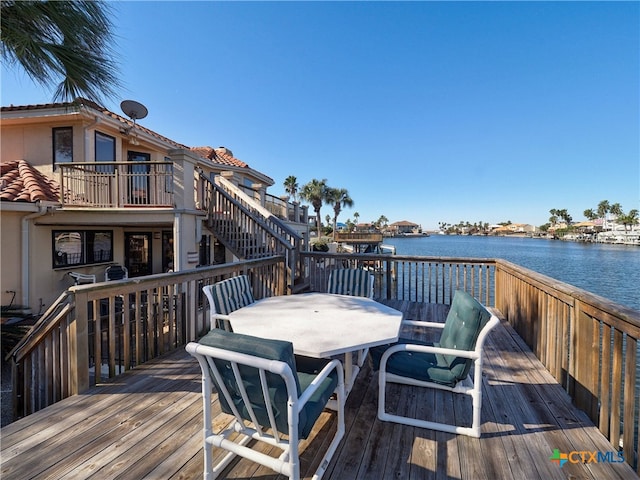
pixel 587 342
pixel 100 330
pixel 116 184
pixel 280 207
pixel 416 279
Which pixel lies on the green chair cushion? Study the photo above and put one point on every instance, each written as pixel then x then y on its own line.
pixel 350 281
pixel 272 350
pixel 307 372
pixel 466 318
pixel 427 367
pixel 231 294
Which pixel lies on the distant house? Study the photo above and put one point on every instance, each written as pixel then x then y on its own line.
pixel 404 227
pixel 83 188
pixel 513 228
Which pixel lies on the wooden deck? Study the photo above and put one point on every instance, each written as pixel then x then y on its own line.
pixel 147 424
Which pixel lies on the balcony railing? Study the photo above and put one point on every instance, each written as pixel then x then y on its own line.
pixel 117 184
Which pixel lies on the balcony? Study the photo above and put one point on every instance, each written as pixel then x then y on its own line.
pixel 117 184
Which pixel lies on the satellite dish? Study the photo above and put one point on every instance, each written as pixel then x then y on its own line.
pixel 133 109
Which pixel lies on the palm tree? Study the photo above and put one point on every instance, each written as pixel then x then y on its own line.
pixel 590 214
pixel 382 222
pixel 315 192
pixel 68 40
pixel 291 186
pixel 616 210
pixel 339 197
pixel 603 209
pixel 630 219
pixel 564 215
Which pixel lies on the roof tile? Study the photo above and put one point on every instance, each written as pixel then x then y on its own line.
pixel 20 182
pixel 221 155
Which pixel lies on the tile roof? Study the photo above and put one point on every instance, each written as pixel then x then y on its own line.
pixel 221 155
pixel 404 223
pixel 20 182
pixel 79 102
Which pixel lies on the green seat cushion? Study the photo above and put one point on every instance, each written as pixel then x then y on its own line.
pixel 427 367
pixel 272 350
pixel 308 369
pixel 466 318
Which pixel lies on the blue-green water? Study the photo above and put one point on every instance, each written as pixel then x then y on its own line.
pixel 611 271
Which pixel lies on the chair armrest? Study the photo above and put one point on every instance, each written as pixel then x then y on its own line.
pixel 411 347
pixel 324 373
pixel 420 323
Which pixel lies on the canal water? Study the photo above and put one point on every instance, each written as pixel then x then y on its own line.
pixel 611 271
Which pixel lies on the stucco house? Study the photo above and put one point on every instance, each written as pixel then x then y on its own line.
pixel 83 188
pixel 513 228
pixel 404 227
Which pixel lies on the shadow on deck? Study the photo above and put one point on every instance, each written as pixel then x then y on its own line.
pixel 147 424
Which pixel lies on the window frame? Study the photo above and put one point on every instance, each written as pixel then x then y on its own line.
pixel 54 144
pixel 87 253
pixel 105 167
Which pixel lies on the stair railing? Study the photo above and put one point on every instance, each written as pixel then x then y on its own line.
pixel 247 228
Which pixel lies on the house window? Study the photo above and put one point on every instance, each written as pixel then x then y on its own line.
pixel 105 151
pixel 62 145
pixel 81 247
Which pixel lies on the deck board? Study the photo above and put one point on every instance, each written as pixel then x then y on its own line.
pixel 147 424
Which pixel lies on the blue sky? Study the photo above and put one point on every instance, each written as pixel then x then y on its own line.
pixel 423 111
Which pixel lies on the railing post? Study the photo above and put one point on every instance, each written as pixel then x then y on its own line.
pixel 79 346
pixel 62 185
pixel 583 354
pixel 117 202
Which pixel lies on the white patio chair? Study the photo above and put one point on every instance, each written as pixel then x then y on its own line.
pixel 227 296
pixel 272 399
pixel 355 282
pixel 446 365
pixel 82 278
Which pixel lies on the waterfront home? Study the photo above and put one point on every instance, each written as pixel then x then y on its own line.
pixel 513 228
pixel 84 188
pixel 404 227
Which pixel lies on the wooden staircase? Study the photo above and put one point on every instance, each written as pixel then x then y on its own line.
pixel 247 229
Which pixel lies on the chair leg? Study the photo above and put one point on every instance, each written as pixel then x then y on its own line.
pixel 340 430
pixel 473 431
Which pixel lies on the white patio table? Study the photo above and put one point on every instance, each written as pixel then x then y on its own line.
pixel 321 325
